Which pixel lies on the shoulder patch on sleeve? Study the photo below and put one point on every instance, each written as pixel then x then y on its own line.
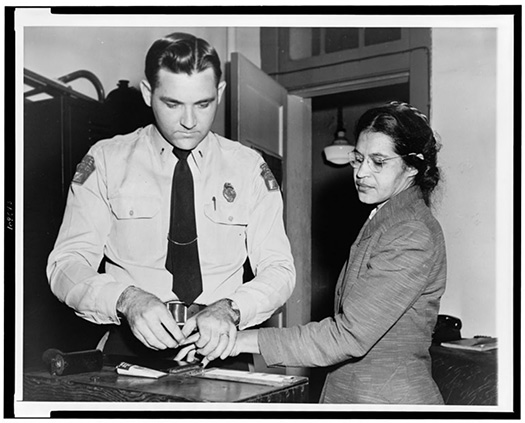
pixel 269 179
pixel 84 169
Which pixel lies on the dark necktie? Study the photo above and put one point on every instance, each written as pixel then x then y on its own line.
pixel 182 260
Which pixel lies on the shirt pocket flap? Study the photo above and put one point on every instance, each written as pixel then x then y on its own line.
pixel 135 207
pixel 227 214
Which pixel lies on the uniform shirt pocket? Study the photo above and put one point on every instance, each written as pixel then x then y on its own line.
pixel 137 235
pixel 225 242
pixel 227 214
pixel 135 207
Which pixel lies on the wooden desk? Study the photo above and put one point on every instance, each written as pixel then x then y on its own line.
pixel 107 385
pixel 465 377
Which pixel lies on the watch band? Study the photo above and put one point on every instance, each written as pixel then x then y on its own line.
pixel 236 312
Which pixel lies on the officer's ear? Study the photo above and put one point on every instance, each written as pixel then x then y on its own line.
pixel 145 88
pixel 220 89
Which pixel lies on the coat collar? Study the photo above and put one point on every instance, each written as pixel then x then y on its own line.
pixel 391 208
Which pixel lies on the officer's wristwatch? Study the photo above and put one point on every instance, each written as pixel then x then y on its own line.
pixel 236 312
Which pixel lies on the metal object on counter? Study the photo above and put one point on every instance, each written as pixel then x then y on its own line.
pixel 186 369
pixel 62 364
pixel 181 312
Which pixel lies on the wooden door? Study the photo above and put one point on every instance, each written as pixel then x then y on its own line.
pixel 258 107
pixel 265 117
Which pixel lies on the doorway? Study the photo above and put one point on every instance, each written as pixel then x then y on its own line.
pixel 337 214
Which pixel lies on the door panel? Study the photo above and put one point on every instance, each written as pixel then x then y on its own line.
pixel 258 107
pixel 257 113
pixel 266 118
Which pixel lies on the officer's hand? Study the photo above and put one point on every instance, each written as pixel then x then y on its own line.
pixel 149 319
pixel 216 332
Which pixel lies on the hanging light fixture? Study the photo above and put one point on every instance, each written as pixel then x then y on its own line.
pixel 339 151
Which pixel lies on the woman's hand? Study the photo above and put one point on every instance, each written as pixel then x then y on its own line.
pixel 246 342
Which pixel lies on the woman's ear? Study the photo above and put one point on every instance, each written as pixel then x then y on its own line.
pixel 412 171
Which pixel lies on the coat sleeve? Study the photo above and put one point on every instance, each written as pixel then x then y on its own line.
pixel 269 252
pixel 387 285
pixel 72 267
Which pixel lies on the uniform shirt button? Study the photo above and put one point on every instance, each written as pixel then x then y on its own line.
pixel 131 212
pixel 230 218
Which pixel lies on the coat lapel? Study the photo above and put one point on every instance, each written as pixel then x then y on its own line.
pixel 348 275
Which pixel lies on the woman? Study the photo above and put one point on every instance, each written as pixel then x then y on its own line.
pixel 388 293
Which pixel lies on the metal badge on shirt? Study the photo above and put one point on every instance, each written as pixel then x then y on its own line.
pixel 269 179
pixel 84 169
pixel 229 192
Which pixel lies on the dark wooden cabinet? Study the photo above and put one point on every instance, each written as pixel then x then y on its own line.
pixel 304 48
pixel 466 377
pixel 60 125
pixel 57 134
pixel 310 62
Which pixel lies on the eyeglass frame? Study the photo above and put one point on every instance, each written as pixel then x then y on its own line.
pixel 368 159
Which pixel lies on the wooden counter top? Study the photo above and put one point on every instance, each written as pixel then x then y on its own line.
pixel 107 385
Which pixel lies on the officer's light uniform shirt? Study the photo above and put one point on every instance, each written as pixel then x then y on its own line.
pixel 119 206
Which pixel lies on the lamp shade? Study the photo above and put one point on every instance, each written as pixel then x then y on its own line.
pixel 339 151
pixel 338 154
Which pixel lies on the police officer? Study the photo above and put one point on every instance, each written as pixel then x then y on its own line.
pixel 120 206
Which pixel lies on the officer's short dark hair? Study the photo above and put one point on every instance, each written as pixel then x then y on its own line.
pixel 181 53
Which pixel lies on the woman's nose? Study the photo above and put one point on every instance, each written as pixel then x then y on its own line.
pixel 188 119
pixel 363 169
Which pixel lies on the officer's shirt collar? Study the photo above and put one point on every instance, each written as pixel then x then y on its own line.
pixel 164 148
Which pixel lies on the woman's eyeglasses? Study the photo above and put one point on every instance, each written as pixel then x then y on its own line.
pixel 375 163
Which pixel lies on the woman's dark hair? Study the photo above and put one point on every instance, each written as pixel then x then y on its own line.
pixel 181 53
pixel 411 133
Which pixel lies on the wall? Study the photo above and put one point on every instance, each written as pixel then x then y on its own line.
pixel 463 112
pixel 463 93
pixel 114 53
